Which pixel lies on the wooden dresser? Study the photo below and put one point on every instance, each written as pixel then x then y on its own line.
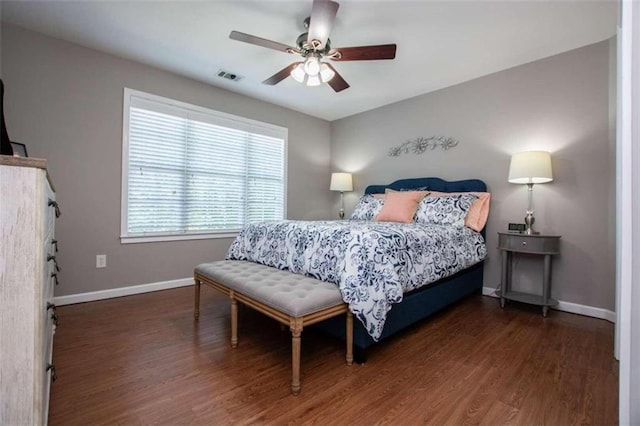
pixel 27 276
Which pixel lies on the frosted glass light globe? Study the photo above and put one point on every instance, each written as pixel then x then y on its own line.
pixel 312 66
pixel 326 73
pixel 298 73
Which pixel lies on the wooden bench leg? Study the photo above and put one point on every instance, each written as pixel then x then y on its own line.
pixel 196 310
pixel 349 338
pixel 296 331
pixel 234 322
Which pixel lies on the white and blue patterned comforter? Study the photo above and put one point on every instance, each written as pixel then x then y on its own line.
pixel 372 262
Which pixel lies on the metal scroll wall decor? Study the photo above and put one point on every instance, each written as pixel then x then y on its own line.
pixel 420 145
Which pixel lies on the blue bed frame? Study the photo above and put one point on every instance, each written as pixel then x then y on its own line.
pixel 424 302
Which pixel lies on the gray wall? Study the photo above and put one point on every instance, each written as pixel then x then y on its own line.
pixel 559 104
pixel 65 103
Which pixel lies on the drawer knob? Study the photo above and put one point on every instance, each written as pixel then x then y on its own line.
pixel 55 206
pixel 55 262
pixel 55 277
pixel 52 368
pixel 54 315
pixel 55 244
pixel 524 244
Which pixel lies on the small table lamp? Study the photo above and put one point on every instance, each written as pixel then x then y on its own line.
pixel 528 168
pixel 341 182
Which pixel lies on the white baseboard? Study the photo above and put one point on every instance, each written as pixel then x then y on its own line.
pixel 121 291
pixel 573 308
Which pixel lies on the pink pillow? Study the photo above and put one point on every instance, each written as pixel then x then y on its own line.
pixel 400 206
pixel 478 212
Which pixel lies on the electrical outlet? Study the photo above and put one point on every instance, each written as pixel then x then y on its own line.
pixel 101 261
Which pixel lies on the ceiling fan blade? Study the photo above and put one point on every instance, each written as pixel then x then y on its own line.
pixel 281 75
pixel 337 83
pixel 365 53
pixel 259 41
pixel 323 14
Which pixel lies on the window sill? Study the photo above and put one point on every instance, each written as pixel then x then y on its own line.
pixel 181 237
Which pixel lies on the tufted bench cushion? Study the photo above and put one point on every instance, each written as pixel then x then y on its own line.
pixel 294 300
pixel 292 294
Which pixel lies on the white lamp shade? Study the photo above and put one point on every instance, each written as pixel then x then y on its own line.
pixel 341 182
pixel 530 167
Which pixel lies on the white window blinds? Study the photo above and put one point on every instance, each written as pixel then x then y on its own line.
pixel 191 172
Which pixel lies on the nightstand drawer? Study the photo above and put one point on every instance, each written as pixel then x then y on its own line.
pixel 543 244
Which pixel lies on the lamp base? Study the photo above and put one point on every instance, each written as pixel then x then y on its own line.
pixel 341 214
pixel 529 220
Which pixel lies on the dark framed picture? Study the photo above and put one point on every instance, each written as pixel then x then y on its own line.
pixel 19 149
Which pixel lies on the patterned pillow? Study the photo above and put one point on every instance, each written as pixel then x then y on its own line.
pixel 367 208
pixel 478 212
pixel 444 210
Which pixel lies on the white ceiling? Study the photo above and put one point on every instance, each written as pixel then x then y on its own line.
pixel 440 43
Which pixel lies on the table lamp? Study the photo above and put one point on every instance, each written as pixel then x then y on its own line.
pixel 528 168
pixel 344 183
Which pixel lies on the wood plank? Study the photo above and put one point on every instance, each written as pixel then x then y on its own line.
pixel 143 359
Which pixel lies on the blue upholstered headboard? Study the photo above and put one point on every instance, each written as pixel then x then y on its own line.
pixel 431 184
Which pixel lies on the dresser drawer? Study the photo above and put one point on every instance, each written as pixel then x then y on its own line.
pixel 529 243
pixel 49 372
pixel 51 210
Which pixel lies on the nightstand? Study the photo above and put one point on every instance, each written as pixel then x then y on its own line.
pixel 543 245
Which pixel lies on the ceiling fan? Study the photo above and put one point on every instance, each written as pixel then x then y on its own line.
pixel 313 46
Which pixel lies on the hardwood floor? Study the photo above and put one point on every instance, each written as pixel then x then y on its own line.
pixel 144 360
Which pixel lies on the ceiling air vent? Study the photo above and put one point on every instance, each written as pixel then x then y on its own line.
pixel 229 75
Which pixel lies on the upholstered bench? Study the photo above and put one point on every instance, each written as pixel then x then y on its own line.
pixel 294 300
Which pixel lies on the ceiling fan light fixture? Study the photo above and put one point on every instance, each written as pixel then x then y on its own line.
pixel 314 74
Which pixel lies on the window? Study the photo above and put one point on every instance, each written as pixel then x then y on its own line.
pixel 190 172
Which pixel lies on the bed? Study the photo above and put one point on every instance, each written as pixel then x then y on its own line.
pixel 380 282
